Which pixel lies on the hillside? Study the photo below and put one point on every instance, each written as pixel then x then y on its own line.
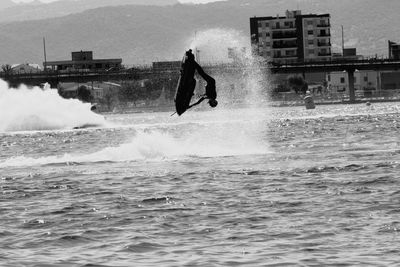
pixel 141 34
pixel 6 4
pixel 37 10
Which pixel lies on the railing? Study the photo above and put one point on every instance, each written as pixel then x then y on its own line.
pixel 326 96
pixel 323 25
pixel 324 44
pixel 284 45
pixel 290 27
pixel 282 35
pixel 324 54
pixel 339 61
pixel 285 56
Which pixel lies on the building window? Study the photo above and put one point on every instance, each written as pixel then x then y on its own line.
pixel 291 53
pixel 259 24
pixel 267 24
pixel 267 44
pixel 310 22
pixel 311 51
pixel 366 79
pixel 310 32
pixel 310 42
pixel 329 77
pixel 341 79
pixel 260 34
pixel 267 34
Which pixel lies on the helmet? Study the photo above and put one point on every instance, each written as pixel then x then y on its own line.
pixel 213 103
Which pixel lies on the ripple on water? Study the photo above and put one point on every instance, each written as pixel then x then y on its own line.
pixel 325 193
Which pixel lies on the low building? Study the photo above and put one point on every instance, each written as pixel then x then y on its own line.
pixel 26 68
pixel 97 89
pixel 83 60
pixel 394 50
pixel 347 54
pixel 363 81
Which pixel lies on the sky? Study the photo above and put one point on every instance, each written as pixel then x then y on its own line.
pixel 182 1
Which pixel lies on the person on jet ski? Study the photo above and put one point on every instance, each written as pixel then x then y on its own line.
pixel 211 93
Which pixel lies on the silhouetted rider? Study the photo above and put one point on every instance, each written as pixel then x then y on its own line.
pixel 211 93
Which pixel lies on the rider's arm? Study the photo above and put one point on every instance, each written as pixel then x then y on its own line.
pixel 210 88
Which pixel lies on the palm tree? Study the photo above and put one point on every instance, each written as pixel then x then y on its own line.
pixel 6 69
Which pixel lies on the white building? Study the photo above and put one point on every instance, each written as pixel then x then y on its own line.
pixel 364 81
pixel 293 38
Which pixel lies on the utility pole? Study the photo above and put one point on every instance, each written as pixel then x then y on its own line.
pixel 44 52
pixel 342 42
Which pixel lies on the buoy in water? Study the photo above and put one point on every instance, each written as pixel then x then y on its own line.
pixel 309 101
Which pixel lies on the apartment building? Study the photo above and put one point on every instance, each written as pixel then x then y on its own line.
pixel 293 38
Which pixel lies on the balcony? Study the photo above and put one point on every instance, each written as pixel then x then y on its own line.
pixel 283 28
pixel 278 45
pixel 284 35
pixel 324 54
pixel 324 35
pixel 285 56
pixel 324 25
pixel 322 44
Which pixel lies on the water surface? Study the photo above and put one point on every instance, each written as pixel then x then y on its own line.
pixel 256 187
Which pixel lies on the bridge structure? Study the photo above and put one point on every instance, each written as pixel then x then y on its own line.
pixel 78 76
pixel 54 77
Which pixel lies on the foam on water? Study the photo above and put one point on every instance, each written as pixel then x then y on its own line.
pixel 35 109
pixel 154 146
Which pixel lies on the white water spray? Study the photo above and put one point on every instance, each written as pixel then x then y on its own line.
pixel 229 130
pixel 149 146
pixel 35 109
pixel 244 86
pixel 249 83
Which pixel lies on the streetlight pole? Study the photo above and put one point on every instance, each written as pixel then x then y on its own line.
pixel 342 42
pixel 44 52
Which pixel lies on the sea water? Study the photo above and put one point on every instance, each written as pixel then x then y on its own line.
pixel 210 188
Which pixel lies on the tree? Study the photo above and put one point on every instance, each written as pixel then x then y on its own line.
pixel 6 69
pixel 84 94
pixel 108 99
pixel 297 83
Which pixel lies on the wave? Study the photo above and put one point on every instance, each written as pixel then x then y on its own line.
pixel 153 146
pixel 36 109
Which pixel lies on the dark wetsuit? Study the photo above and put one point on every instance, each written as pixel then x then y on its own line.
pixel 211 92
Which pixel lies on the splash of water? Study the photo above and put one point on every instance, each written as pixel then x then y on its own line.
pixel 249 83
pixel 241 80
pixel 149 146
pixel 36 109
pixel 236 132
